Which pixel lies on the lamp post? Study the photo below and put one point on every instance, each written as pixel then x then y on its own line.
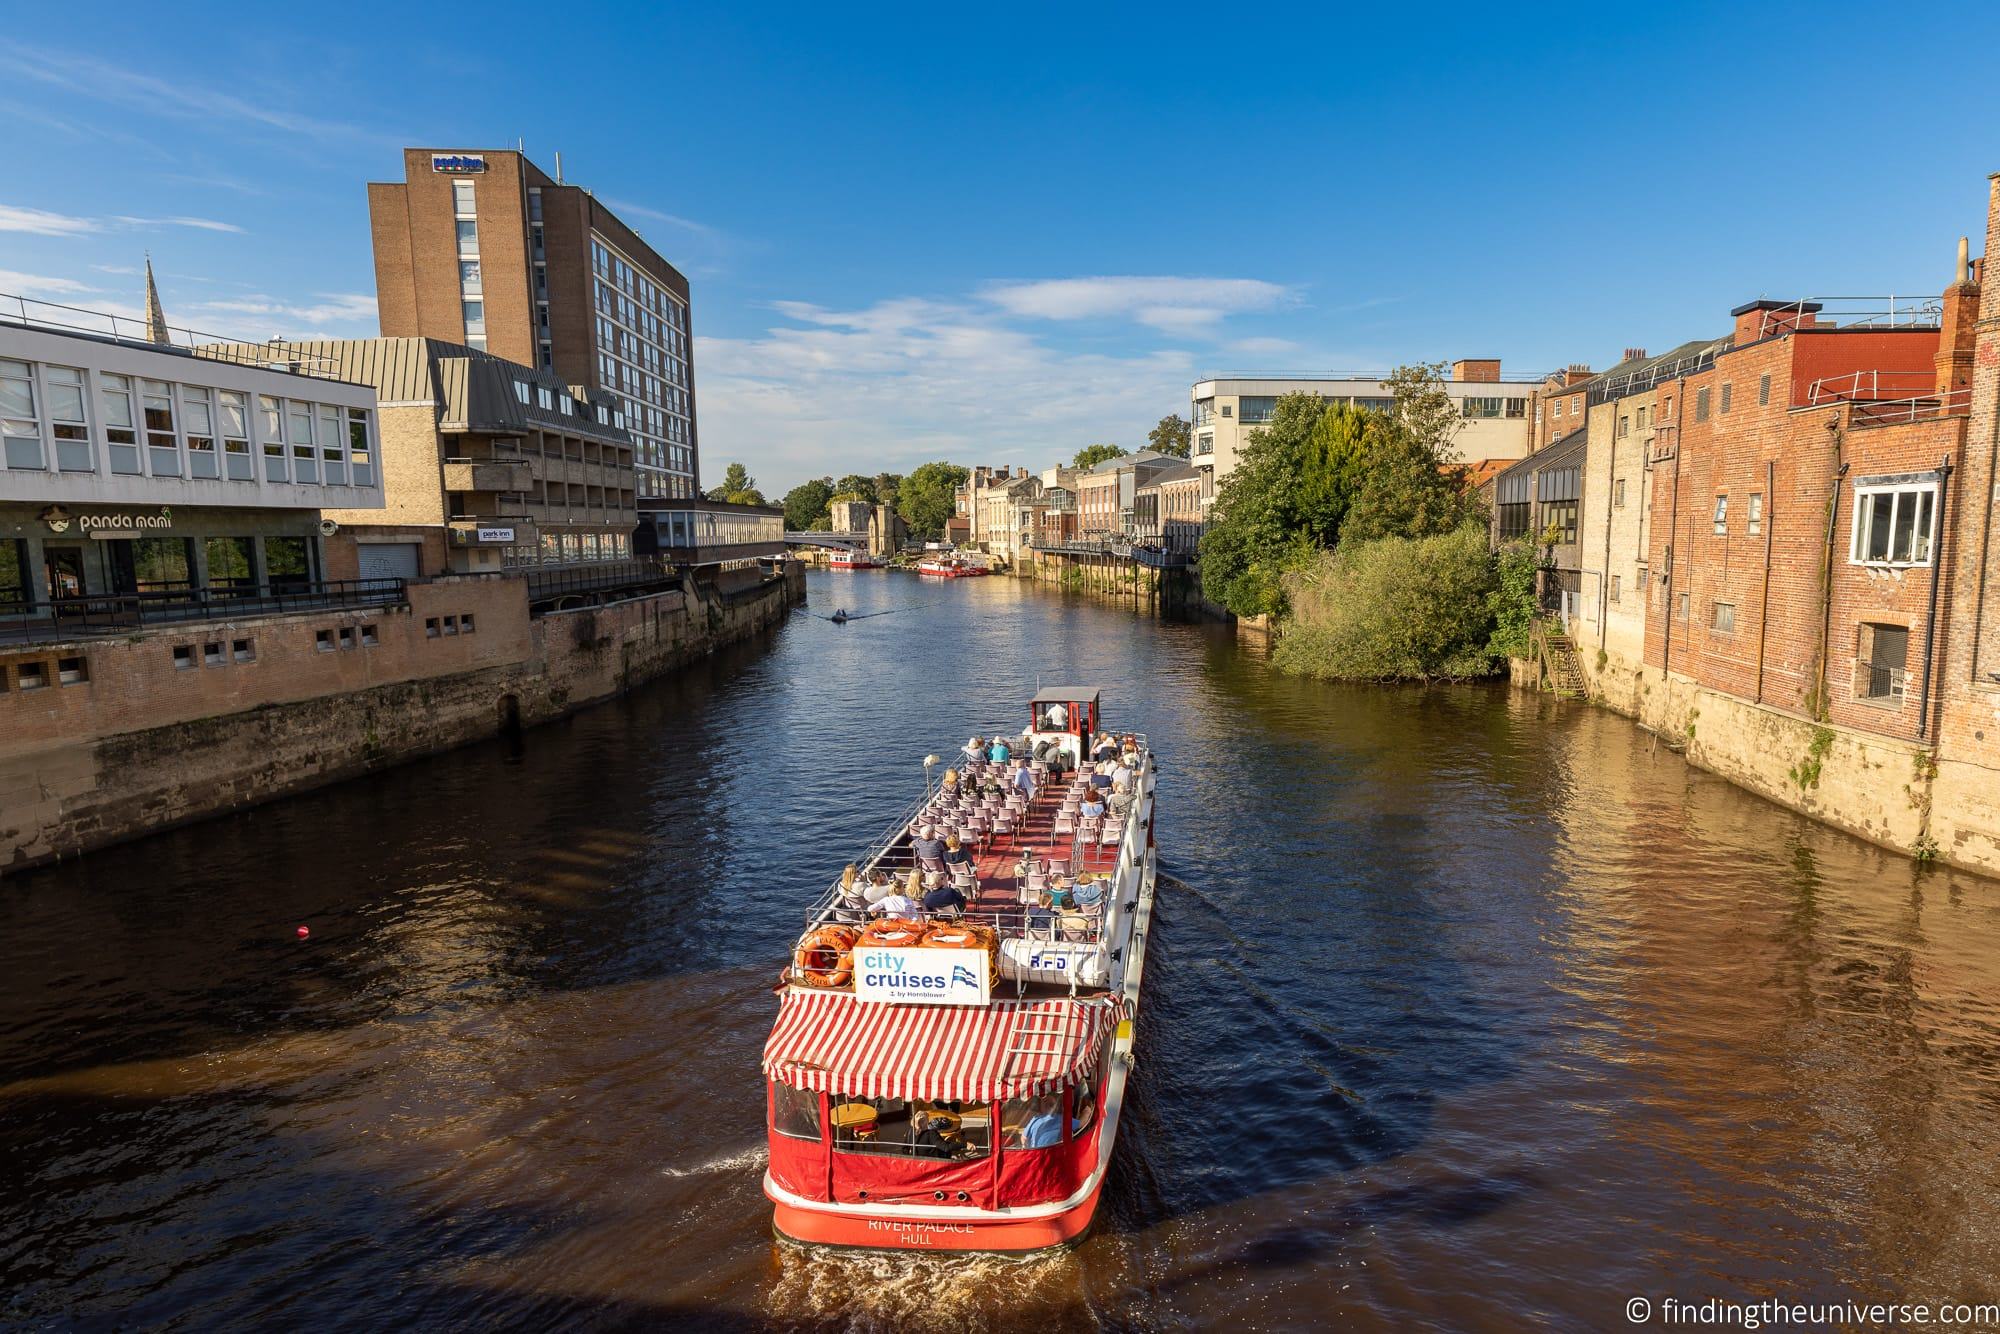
pixel 930 762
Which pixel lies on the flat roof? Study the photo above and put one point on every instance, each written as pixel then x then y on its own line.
pixel 1065 695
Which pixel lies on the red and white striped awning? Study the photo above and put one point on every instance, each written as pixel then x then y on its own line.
pixel 827 1040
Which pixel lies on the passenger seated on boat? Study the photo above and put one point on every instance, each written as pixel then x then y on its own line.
pixel 1093 805
pixel 955 853
pixel 1024 779
pixel 1090 894
pixel 1060 894
pixel 944 901
pixel 1043 1129
pixel 903 902
pixel 949 787
pixel 999 751
pixel 928 1138
pixel 974 748
pixel 1105 747
pixel 927 845
pixel 1120 800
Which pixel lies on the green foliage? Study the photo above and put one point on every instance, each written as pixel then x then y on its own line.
pixel 1425 407
pixel 738 487
pixel 805 504
pixel 1805 773
pixel 886 486
pixel 1512 604
pixel 1092 455
pixel 1395 609
pixel 1172 436
pixel 1255 531
pixel 855 487
pixel 928 497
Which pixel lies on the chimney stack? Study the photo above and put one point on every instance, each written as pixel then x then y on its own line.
pixel 1758 320
pixel 1635 354
pixel 1955 332
pixel 1476 370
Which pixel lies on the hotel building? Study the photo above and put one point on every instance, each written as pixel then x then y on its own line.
pixel 483 249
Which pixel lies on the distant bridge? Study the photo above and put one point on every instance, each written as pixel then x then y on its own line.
pixel 832 541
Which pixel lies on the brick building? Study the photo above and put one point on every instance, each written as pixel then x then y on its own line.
pixel 482 248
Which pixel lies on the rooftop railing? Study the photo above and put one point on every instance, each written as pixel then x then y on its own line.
pixel 1853 312
pixel 274 355
pixel 1869 384
pixel 1922 407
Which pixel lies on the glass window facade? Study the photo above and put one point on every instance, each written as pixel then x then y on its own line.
pixel 643 356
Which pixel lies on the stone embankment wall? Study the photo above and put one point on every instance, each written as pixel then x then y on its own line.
pixel 128 736
pixel 1175 593
pixel 1899 794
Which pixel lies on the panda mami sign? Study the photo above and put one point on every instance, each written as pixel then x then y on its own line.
pixel 921 976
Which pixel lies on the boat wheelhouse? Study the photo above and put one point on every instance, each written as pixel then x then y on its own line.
pixel 954 1078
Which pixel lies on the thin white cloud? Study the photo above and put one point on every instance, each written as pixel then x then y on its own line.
pixel 98 80
pixel 1175 305
pixel 202 224
pixel 671 219
pixel 118 268
pixel 332 308
pixel 1261 347
pixel 41 285
pixel 41 222
pixel 903 381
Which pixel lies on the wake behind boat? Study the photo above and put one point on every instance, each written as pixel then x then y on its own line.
pixel 952 1077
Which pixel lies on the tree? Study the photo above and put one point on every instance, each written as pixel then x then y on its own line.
pixel 886 486
pixel 738 487
pixel 1398 609
pixel 1172 436
pixel 1407 494
pixel 928 498
pixel 806 503
pixel 1092 455
pixel 1512 604
pixel 1255 532
pixel 855 487
pixel 1425 407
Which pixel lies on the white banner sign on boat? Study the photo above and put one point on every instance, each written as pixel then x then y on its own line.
pixel 922 976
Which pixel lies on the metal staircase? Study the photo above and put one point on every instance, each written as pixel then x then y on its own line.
pixel 1560 667
pixel 1041 1033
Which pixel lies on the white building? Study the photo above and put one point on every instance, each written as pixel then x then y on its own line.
pixel 130 466
pixel 1498 414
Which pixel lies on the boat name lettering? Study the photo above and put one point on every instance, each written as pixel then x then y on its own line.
pixel 921 976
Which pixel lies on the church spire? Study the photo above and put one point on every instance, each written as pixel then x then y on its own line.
pixel 156 318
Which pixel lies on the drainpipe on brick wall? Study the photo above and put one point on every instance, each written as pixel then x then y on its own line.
pixel 1985 539
pixel 1823 704
pixel 1673 559
pixel 1764 607
pixel 1930 619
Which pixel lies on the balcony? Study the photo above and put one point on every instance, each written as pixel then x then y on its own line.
pixel 488 475
pixel 126 613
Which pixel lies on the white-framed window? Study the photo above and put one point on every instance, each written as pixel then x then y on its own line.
pixel 1723 619
pixel 1558 410
pixel 271 432
pixel 1893 524
pixel 20 425
pixel 234 409
pixel 69 419
pixel 468 239
pixel 544 397
pixel 360 451
pixel 332 457
pixel 463 201
pixel 299 430
pixel 198 418
pixel 1722 513
pixel 1480 407
pixel 523 393
pixel 1755 515
pixel 1618 494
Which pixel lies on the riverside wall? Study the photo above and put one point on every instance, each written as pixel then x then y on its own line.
pixel 124 737
pixel 1157 592
pixel 1900 794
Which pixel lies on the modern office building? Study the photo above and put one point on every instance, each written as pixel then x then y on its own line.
pixel 488 465
pixel 136 475
pixel 1499 414
pixel 483 249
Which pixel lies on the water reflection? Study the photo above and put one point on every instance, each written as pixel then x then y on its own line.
pixel 1468 1009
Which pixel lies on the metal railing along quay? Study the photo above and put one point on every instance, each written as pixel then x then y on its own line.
pixel 598 577
pixel 119 613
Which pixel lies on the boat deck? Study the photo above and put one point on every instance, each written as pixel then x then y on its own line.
pixel 997 856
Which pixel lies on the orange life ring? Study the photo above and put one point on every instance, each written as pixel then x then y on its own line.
pixel 893 933
pixel 826 956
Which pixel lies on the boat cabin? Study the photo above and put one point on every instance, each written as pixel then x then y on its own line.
pixel 1066 715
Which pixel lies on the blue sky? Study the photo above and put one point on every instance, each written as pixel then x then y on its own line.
pixel 929 233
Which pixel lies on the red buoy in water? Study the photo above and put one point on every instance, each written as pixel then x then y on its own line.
pixel 304 932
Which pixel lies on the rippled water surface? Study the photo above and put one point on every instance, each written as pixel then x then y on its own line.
pixel 1466 1010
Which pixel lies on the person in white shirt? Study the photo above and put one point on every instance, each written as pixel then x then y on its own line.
pixel 899 905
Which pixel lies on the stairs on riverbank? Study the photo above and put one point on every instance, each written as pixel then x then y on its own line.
pixel 1560 667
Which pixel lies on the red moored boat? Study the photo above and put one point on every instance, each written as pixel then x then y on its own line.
pixel 852 560
pixel 940 1081
pixel 951 567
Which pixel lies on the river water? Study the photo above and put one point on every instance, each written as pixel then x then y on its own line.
pixel 1465 1010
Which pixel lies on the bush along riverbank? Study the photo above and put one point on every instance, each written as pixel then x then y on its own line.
pixel 1356 534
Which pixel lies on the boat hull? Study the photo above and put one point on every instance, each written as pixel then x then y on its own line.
pixel 912 1231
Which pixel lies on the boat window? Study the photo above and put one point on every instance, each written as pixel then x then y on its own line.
pixel 899 1128
pixel 795 1112
pixel 1032 1123
pixel 1083 1103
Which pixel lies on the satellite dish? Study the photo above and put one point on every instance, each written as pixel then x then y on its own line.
pixel 327 527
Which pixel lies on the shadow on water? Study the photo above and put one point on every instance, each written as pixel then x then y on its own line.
pixel 1459 1002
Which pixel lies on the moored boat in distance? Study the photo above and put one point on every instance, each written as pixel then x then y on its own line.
pixel 852 560
pixel 942 1078
pixel 951 566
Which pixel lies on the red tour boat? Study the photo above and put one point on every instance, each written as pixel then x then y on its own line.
pixel 946 1080
pixel 852 560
